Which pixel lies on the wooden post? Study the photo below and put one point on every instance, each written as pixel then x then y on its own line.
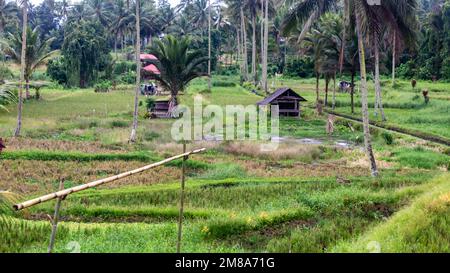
pixel 56 218
pixel 180 218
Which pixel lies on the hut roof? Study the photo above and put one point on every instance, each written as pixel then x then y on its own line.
pixel 148 57
pixel 279 93
pixel 152 69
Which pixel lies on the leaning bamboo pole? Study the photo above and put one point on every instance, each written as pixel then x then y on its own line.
pixel 93 184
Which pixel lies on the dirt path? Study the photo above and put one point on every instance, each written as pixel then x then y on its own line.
pixel 414 133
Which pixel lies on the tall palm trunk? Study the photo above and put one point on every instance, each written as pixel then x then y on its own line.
pixel 334 91
pixel 239 51
pixel 138 73
pixel 209 45
pixel 352 93
pixel 266 46
pixel 22 68
pixel 254 72
pixel 378 100
pixel 327 84
pixel 364 103
pixel 394 49
pixel 244 45
pixel 317 87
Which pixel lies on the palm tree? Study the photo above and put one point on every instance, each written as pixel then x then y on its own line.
pixel 308 11
pixel 209 44
pixel 138 72
pixel 7 11
pixel 236 12
pixel 102 11
pixel 178 65
pixel 400 18
pixel 6 97
pixel 252 6
pixel 37 52
pixel 22 66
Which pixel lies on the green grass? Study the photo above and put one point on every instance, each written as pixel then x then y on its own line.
pixel 236 201
pixel 419 158
pixel 77 156
pixel 421 227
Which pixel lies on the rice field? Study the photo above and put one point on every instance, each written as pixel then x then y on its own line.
pixel 300 198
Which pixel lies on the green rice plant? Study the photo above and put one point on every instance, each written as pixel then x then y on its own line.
pixel 76 156
pixel 219 228
pixel 421 227
pixel 419 158
pixel 319 237
pixel 119 124
pixel 223 171
pixel 17 234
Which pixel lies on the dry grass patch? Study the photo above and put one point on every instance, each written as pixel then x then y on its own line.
pixel 15 144
pixel 32 177
pixel 284 151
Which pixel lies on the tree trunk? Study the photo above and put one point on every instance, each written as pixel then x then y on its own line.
pixel 27 88
pixel 334 91
pixel 262 40
pixel 138 73
pixel 209 45
pixel 254 72
pixel 22 68
pixel 352 93
pixel 364 103
pixel 239 51
pixel 394 49
pixel 244 45
pixel 317 86
pixel 266 46
pixel 327 83
pixel 378 100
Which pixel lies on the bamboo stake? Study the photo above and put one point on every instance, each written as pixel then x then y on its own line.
pixel 55 218
pixel 93 184
pixel 180 219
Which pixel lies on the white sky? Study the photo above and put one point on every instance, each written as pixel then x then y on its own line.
pixel 172 2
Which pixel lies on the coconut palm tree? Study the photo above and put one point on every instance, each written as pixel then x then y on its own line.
pixel 400 18
pixel 177 65
pixel 37 52
pixel 308 11
pixel 22 66
pixel 252 6
pixel 236 12
pixel 7 11
pixel 6 97
pixel 138 72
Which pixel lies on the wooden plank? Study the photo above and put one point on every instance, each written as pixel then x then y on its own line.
pixel 93 184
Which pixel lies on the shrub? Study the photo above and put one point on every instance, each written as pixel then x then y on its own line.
pixel 119 124
pixel 150 135
pixel 150 103
pixel 128 78
pixel 56 70
pixel 224 84
pixel 103 87
pixel 388 137
pixel 121 68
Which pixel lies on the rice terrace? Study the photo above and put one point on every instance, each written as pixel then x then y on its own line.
pixel 225 126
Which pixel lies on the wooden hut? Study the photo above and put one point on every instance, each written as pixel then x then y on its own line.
pixel 161 109
pixel 287 100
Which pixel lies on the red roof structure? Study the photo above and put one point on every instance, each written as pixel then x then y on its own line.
pixel 152 69
pixel 148 57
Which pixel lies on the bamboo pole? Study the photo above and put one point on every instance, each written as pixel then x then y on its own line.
pixel 55 219
pixel 93 184
pixel 180 218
